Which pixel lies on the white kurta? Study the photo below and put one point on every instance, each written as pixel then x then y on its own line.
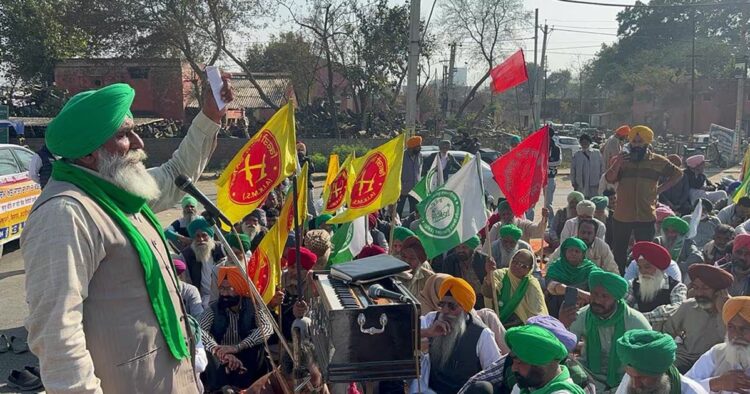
pixel 688 386
pixel 705 369
pixel 570 229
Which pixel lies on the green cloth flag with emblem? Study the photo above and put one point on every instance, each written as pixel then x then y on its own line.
pixel 453 213
pixel 348 240
pixel 429 183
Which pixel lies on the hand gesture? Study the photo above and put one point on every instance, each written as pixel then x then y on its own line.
pixel 490 266
pixel 277 298
pixel 568 314
pixel 545 212
pixel 210 108
pixel 222 351
pixel 232 363
pixel 732 381
pixel 299 309
pixel 439 328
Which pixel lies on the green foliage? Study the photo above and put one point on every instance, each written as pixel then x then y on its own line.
pixel 320 161
pixel 345 149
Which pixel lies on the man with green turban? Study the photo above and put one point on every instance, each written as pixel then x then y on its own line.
pixel 177 231
pixel 572 269
pixel 400 234
pixel 105 311
pixel 508 244
pixel 648 357
pixel 681 248
pixel 601 324
pixel 467 261
pixel 240 244
pixel 601 212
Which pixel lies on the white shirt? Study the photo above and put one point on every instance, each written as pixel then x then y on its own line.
pixel 34 166
pixel 704 370
pixel 673 271
pixel 571 229
pixel 517 390
pixel 688 386
pixel 487 349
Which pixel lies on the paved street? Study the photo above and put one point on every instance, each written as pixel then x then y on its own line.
pixel 12 290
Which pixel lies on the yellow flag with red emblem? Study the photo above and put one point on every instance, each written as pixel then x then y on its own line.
pixel 264 267
pixel 335 195
pixel 333 169
pixel 267 159
pixel 377 180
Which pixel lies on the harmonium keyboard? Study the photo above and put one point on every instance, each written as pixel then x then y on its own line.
pixel 358 338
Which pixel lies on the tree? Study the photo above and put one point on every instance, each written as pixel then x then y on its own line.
pixel 558 84
pixel 483 26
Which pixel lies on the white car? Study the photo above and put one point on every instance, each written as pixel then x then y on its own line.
pixel 568 143
pixel 490 186
pixel 17 191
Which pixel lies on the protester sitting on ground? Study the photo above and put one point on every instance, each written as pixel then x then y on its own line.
pixel 319 242
pixel 201 258
pixel 601 213
pixel 240 245
pixel 736 214
pixel 706 226
pixel 739 266
pixel 190 295
pixel 530 230
pixel 413 253
pixel 287 299
pixel 461 345
pixel 251 226
pixel 234 333
pixel 598 251
pixel 637 172
pixel 674 238
pixel 519 294
pixel 508 244
pixel 561 217
pixel 601 324
pixel 321 222
pixel 723 369
pixel 378 237
pixel 585 210
pixel 677 197
pixel 399 235
pixel 717 249
pixel 369 251
pixel 283 378
pixel 468 262
pixel 697 324
pixel 653 292
pixel 700 185
pixel 177 232
pixel 662 212
pixel 272 215
pixel 648 357
pixel 570 269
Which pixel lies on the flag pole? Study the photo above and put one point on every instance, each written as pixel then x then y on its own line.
pixel 488 246
pixel 297 235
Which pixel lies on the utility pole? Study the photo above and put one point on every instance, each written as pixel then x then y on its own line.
pixel 740 70
pixel 438 96
pixel 451 72
pixel 412 68
pixel 692 83
pixel 536 63
pixel 537 98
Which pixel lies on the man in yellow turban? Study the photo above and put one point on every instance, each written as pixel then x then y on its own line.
pixel 460 345
pixel 637 171
pixel 233 334
pixel 92 239
pixel 723 369
pixel 411 173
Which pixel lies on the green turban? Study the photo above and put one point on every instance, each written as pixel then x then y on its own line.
pixel 322 219
pixel 511 230
pixel 535 345
pixel 575 196
pixel 600 202
pixel 402 233
pixel 472 242
pixel 675 223
pixel 515 139
pixel 202 225
pixel 244 241
pixel 649 352
pixel 503 206
pixel 573 242
pixel 615 284
pixel 88 120
pixel 189 200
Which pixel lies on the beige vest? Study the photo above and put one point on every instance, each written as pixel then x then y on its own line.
pixel 122 333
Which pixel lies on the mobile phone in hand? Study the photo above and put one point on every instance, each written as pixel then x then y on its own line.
pixel 571 296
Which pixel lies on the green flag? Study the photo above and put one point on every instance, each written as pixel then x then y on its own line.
pixel 429 183
pixel 348 240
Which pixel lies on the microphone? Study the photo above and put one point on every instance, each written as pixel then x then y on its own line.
pixel 378 291
pixel 184 183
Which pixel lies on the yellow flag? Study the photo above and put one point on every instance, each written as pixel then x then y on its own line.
pixel 335 195
pixel 333 169
pixel 377 180
pixel 267 159
pixel 264 267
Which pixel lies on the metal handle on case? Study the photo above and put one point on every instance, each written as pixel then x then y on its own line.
pixel 372 330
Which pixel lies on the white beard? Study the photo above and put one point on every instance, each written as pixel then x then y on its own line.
pixel 250 231
pixel 662 386
pixel 442 348
pixel 203 251
pixel 128 173
pixel 187 218
pixel 650 286
pixel 737 355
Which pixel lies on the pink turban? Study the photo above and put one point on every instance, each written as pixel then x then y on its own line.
pixel 663 212
pixel 741 241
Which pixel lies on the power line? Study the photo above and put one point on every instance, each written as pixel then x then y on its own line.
pixel 586 32
pixel 655 5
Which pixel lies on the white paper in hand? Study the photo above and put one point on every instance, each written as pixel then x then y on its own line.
pixel 214 79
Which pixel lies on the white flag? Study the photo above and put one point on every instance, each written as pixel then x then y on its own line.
pixel 695 220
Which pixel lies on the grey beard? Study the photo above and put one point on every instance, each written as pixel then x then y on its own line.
pixel 650 286
pixel 128 173
pixel 661 387
pixel 250 231
pixel 737 355
pixel 442 348
pixel 186 219
pixel 203 251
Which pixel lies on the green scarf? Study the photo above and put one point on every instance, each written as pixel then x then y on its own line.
pixel 562 271
pixel 116 203
pixel 510 302
pixel 559 383
pixel 675 380
pixel 594 346
pixel 676 248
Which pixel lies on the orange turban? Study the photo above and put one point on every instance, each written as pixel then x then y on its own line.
pixel 460 290
pixel 414 142
pixel 736 306
pixel 234 277
pixel 623 130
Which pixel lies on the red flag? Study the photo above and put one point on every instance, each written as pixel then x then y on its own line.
pixel 522 172
pixel 510 73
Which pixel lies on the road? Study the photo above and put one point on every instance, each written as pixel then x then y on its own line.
pixel 12 286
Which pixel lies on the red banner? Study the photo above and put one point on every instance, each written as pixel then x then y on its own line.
pixel 510 73
pixel 522 172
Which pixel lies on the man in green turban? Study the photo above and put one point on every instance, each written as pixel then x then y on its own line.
pixel 648 357
pixel 106 315
pixel 177 231
pixel 508 244
pixel 681 248
pixel 400 234
pixel 601 324
pixel 467 261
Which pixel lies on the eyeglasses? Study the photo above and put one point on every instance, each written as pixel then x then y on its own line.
pixel 452 306
pixel 525 266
